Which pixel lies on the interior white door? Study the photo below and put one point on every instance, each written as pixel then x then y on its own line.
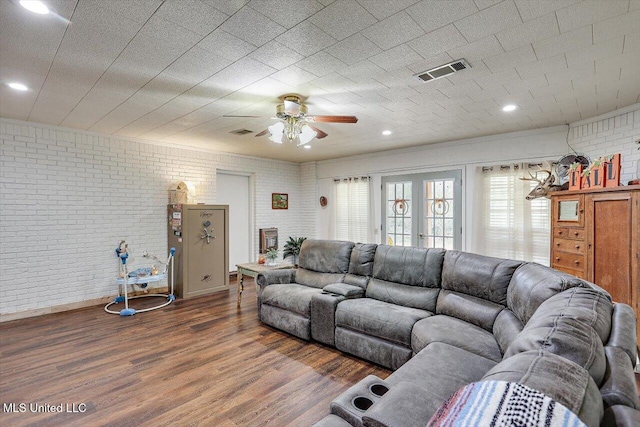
pixel 233 190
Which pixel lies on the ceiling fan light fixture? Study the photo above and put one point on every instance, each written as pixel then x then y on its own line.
pixel 277 131
pixel 35 6
pixel 306 135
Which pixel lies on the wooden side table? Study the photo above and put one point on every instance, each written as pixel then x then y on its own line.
pixel 252 269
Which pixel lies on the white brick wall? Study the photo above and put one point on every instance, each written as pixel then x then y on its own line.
pixel 68 197
pixel 610 135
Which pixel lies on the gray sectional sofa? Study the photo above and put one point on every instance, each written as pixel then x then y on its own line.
pixel 444 319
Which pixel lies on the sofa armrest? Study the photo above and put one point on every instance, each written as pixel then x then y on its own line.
pixel 404 405
pixel 623 330
pixel 620 416
pixel 619 386
pixel 349 291
pixel 276 277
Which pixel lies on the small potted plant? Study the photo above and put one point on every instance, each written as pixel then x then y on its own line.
pixel 271 256
pixel 292 248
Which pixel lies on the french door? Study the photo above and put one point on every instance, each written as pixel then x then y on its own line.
pixel 423 210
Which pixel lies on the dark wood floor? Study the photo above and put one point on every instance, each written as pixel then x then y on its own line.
pixel 196 362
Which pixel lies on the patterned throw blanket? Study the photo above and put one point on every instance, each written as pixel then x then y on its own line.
pixel 501 403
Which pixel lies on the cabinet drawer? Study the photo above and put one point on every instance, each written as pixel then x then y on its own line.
pixel 568 260
pixel 569 233
pixel 573 246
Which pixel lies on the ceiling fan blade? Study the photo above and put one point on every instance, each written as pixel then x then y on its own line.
pixel 292 108
pixel 332 119
pixel 264 132
pixel 256 117
pixel 320 133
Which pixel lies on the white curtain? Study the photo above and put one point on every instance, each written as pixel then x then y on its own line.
pixel 352 219
pixel 510 226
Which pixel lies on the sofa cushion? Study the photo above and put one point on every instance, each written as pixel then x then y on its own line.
pixel 584 305
pixel 532 284
pixel 315 279
pixel 439 328
pixel 573 340
pixel 408 265
pixel 405 295
pixel 292 297
pixel 623 331
pixel 361 261
pixel 555 376
pixel 379 319
pixel 506 328
pixel 325 256
pixel 477 275
pixel 442 369
pixel 477 311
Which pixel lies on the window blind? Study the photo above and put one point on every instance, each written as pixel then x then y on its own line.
pixel 352 209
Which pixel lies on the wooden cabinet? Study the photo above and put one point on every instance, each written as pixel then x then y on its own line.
pixel 596 236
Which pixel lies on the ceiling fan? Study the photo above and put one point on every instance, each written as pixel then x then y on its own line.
pixel 294 122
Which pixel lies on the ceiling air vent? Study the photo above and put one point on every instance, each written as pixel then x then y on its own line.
pixel 241 131
pixel 443 70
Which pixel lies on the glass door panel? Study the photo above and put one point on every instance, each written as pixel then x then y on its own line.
pixel 423 210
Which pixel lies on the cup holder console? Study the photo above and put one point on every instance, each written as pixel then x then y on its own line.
pixel 361 403
pixel 353 403
pixel 378 389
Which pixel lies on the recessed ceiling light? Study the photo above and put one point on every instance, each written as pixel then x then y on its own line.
pixel 35 6
pixel 17 86
pixel 509 107
pixel 386 132
pixel 307 147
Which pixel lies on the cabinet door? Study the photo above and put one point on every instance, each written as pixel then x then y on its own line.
pixel 610 244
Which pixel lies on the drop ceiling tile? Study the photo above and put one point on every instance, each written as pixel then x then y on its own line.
pixel 353 49
pixel 228 7
pixel 384 9
pixel 631 42
pixel 252 27
pixel 138 11
pixel 287 14
pixel 343 18
pixel 192 15
pixel 362 71
pixel 484 95
pixel 564 42
pixel 437 41
pixel 196 65
pixel 511 59
pixel 526 85
pixel 240 74
pixel 167 31
pixel 507 77
pixel 276 55
pixel 533 9
pixel 586 12
pixel 594 52
pixel 321 64
pixel 226 45
pixel 461 89
pixel 626 63
pixel 553 89
pixel 397 57
pixel 483 4
pixel 432 16
pixel 616 27
pixel 333 82
pixel 571 73
pixel 553 65
pixel 306 39
pixel 477 51
pixel 395 30
pixel 529 32
pixel 294 76
pixel 489 21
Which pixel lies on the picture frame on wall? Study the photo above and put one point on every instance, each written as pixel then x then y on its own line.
pixel 279 201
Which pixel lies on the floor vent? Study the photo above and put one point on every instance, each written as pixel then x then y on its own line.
pixel 443 70
pixel 241 131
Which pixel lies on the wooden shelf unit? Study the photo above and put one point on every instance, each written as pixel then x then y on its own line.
pixel 596 236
